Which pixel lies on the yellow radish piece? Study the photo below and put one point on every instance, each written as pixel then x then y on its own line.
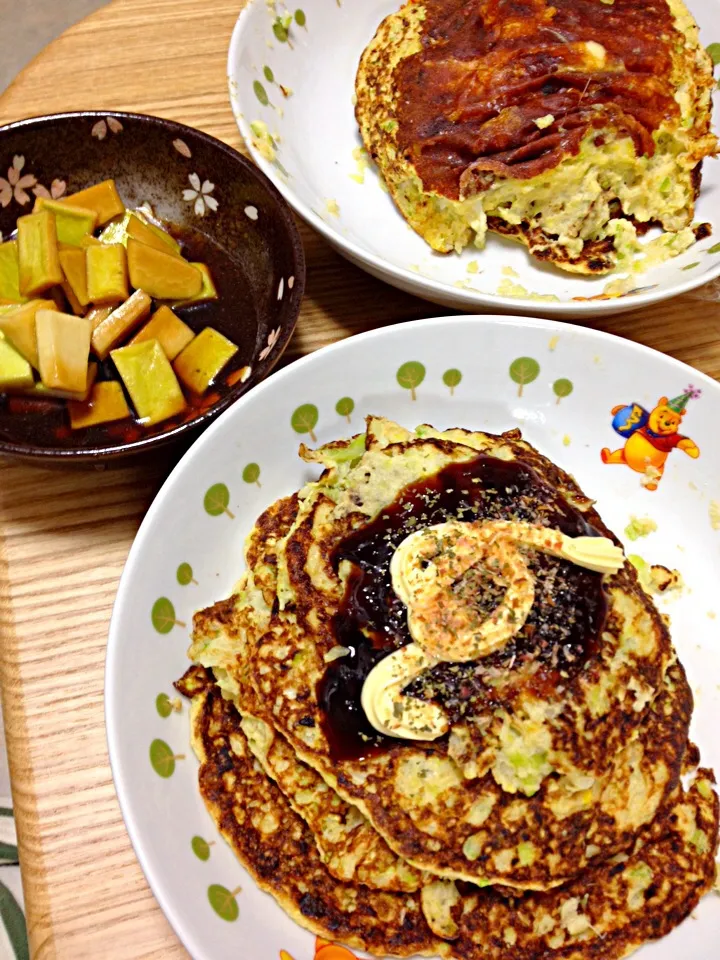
pixel 63 347
pixel 38 259
pixel 105 404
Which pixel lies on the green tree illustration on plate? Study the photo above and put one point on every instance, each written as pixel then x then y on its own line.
pixel 562 388
pixel 523 371
pixel 163 705
pixel 452 378
pixel 714 50
pixel 410 376
pixel 281 29
pixel 261 93
pixel 163 759
pixel 305 419
pixel 300 18
pixel 184 575
pixel 715 248
pixel 163 616
pixel 269 75
pixel 201 848
pixel 217 500
pixel 251 474
pixel 344 407
pixel 223 901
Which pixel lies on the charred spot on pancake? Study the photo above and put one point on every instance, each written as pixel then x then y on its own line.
pixel 696 176
pixel 221 612
pixel 597 265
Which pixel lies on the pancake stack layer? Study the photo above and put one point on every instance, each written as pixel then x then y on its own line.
pixel 549 821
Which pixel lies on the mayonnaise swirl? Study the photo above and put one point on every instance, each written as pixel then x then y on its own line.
pixel 444 626
pixel 394 714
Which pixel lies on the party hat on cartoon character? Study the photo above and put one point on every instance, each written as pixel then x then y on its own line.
pixel 679 404
pixel 628 418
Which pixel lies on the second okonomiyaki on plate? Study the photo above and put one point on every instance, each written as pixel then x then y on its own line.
pixel 571 126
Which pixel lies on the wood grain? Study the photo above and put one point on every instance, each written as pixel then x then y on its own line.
pixel 64 536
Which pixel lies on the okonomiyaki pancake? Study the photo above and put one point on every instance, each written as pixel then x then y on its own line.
pixel 440 715
pixel 519 756
pixel 611 910
pixel 573 808
pixel 606 914
pixel 348 845
pixel 276 847
pixel 570 126
pixel 472 829
pixel 220 633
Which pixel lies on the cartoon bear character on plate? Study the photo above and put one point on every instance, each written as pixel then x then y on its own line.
pixel 650 437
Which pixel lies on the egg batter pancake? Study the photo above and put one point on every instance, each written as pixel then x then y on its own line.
pixel 610 911
pixel 515 725
pixel 570 126
pixel 607 913
pixel 546 817
pixel 276 848
pixel 523 717
pixel 349 846
pixel 438 819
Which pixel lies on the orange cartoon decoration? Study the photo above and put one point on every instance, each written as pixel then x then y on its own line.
pixel 324 950
pixel 650 437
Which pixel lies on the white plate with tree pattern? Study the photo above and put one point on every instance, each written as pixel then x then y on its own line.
pixel 564 386
pixel 291 73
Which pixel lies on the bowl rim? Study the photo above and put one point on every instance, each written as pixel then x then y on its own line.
pixel 435 291
pixel 57 455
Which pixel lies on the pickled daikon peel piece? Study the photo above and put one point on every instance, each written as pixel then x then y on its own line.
pixel 105 404
pixel 63 347
pixel 150 381
pixel 38 259
pixel 203 359
pixel 161 275
pixel 168 329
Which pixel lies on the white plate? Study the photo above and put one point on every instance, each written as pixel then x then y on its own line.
pixel 316 135
pixel 164 814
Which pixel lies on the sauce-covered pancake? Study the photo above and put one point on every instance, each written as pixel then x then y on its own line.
pixel 570 125
pixel 544 814
pixel 566 619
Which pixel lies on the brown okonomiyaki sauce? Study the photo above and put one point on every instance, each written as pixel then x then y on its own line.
pixel 560 634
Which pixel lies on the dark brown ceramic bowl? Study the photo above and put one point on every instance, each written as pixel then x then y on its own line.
pixel 226 212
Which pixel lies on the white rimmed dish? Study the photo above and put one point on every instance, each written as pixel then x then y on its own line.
pixel 314 168
pixel 561 395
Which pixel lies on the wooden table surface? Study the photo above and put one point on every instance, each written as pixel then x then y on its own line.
pixel 64 536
